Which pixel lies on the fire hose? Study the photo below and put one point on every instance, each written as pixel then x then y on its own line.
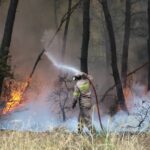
pixel 97 104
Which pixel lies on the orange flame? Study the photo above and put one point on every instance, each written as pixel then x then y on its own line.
pixel 127 92
pixel 15 96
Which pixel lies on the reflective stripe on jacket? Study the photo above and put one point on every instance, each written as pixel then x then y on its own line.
pixel 82 87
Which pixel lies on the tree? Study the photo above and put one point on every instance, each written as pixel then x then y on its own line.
pixel 66 29
pixel 120 95
pixel 148 44
pixel 4 50
pixel 6 41
pixel 61 95
pixel 124 68
pixel 86 36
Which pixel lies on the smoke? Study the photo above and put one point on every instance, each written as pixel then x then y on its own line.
pixel 37 114
pixel 138 104
pixel 32 115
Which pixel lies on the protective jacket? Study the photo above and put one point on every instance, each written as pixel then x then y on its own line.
pixel 82 94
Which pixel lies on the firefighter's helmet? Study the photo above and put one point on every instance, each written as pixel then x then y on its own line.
pixel 79 76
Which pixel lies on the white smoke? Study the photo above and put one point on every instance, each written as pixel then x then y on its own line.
pixel 138 119
pixel 36 115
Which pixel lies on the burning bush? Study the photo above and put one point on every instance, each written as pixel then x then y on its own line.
pixel 12 94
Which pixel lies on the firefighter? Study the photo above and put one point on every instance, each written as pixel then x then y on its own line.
pixel 82 95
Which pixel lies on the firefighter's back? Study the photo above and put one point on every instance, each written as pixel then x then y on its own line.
pixel 85 98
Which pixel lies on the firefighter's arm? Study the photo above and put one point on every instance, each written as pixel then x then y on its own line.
pixel 76 95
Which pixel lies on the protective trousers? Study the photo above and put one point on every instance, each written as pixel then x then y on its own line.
pixel 85 119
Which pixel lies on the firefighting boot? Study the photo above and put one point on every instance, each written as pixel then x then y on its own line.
pixel 80 126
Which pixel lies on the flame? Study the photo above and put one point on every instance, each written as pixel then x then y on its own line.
pixel 15 97
pixel 127 93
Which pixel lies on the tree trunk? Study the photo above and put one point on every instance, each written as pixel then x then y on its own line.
pixel 63 112
pixel 66 30
pixel 124 68
pixel 4 49
pixel 86 36
pixel 120 95
pixel 148 44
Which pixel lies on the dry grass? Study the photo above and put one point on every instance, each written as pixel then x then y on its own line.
pixel 63 140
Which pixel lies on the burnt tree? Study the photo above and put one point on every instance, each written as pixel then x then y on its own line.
pixel 124 68
pixel 120 95
pixel 86 36
pixel 4 49
pixel 148 44
pixel 66 29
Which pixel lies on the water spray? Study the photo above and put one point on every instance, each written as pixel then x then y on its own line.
pixel 60 66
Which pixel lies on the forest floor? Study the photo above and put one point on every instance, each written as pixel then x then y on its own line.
pixel 60 139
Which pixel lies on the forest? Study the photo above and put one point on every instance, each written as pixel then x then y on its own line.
pixel 45 43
